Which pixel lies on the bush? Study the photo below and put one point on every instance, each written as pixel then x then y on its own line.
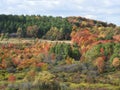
pixel 63 50
pixel 45 81
pixel 116 62
pixel 116 52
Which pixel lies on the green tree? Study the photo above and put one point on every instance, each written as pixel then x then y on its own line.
pixel 54 34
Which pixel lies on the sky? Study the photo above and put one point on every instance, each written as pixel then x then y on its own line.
pixel 103 10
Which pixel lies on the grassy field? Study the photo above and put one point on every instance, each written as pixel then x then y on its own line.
pixel 29 40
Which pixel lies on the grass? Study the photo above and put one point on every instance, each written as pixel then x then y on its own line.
pixel 29 40
pixel 95 86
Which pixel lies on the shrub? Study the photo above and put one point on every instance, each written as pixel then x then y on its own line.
pixel 63 50
pixel 45 80
pixel 93 53
pixel 116 62
pixel 12 78
pixel 116 52
pixel 100 63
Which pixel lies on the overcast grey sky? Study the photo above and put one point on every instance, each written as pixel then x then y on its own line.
pixel 104 10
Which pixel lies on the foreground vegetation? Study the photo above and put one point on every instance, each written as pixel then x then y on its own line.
pixel 90 60
pixel 57 66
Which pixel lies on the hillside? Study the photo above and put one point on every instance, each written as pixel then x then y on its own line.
pixel 89 60
pixel 85 22
pixel 44 26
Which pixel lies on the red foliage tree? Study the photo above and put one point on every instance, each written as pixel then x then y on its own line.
pixel 12 78
pixel 84 38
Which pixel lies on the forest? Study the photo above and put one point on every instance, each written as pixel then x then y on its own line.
pixel 87 59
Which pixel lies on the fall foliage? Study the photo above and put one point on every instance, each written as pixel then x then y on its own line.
pixel 91 58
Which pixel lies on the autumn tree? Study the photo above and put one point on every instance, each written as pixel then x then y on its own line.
pixel 32 31
pixel 116 62
pixel 54 34
pixel 84 38
pixel 12 78
pixel 20 32
pixel 100 63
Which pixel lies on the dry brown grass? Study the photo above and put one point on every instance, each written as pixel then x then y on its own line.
pixel 28 40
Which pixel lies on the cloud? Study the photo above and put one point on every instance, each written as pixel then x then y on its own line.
pixel 91 16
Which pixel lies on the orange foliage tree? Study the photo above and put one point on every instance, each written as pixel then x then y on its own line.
pixel 116 62
pixel 100 63
pixel 84 38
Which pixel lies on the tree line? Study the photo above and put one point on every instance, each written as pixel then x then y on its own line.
pixel 46 27
pixel 36 26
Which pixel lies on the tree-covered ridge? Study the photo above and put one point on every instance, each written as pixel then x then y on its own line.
pixel 84 22
pixel 44 26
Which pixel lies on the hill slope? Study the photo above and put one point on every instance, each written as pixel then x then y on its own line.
pixel 46 27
